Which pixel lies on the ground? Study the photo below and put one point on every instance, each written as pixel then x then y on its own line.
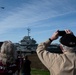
pixel 36 63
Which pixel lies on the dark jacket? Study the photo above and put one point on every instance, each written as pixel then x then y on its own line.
pixel 26 66
pixel 8 69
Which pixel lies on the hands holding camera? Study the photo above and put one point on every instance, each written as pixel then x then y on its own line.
pixel 60 33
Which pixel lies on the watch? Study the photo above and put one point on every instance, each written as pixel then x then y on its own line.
pixel 50 40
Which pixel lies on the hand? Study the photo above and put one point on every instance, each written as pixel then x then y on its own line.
pixel 68 31
pixel 55 35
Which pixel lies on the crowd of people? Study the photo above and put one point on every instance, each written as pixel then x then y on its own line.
pixel 58 64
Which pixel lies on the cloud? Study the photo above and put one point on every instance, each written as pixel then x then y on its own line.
pixel 35 11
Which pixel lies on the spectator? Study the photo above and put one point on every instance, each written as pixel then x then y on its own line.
pixel 59 64
pixel 26 69
pixel 8 64
pixel 19 62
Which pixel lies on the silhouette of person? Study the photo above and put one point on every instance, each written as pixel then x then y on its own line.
pixel 26 69
pixel 8 64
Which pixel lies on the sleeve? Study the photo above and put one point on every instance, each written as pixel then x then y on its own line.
pixel 46 57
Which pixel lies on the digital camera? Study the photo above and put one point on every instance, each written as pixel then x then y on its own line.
pixel 61 33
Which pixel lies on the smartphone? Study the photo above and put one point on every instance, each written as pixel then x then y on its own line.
pixel 61 33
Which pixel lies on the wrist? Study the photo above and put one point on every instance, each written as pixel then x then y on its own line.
pixel 50 39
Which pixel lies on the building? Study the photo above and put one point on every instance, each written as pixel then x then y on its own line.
pixel 26 45
pixel 29 45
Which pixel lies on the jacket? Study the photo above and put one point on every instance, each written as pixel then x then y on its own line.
pixel 57 64
pixel 8 69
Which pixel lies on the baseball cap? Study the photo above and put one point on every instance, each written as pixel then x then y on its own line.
pixel 68 40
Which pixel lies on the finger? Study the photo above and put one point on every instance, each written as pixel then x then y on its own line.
pixel 68 31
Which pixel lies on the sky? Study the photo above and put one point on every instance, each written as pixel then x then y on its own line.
pixel 43 17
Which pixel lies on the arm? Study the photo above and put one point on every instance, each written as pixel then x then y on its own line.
pixel 46 57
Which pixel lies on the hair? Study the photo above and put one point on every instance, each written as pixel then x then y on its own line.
pixel 8 52
pixel 70 49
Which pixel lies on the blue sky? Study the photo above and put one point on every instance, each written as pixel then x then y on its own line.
pixel 43 17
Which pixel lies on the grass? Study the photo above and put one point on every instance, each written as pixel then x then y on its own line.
pixel 39 72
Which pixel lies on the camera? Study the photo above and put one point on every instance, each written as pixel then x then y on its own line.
pixel 61 33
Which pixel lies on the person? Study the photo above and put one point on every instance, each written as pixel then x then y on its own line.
pixel 26 69
pixel 8 64
pixel 19 62
pixel 59 64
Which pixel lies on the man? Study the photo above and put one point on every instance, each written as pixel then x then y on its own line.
pixel 59 64
pixel 26 69
pixel 19 62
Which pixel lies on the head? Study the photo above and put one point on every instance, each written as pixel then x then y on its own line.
pixel 66 48
pixel 26 57
pixel 8 52
pixel 68 43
